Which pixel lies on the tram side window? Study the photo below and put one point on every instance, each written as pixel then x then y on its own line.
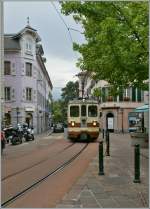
pixel 92 111
pixel 74 111
pixel 83 110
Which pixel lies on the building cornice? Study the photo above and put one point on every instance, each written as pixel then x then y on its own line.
pixel 41 62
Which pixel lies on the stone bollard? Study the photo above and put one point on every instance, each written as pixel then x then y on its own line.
pixel 136 163
pixel 101 163
pixel 107 144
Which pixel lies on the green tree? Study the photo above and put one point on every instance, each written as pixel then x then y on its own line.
pixel 57 111
pixel 97 92
pixel 116 34
pixel 70 91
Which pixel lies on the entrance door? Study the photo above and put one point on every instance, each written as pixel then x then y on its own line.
pixel 29 119
pixel 110 122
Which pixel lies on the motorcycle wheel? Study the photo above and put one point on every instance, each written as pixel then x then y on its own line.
pixel 32 137
pixel 13 141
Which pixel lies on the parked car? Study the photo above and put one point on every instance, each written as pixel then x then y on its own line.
pixel 58 127
pixel 133 129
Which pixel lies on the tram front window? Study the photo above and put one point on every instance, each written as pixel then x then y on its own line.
pixel 83 110
pixel 74 111
pixel 92 111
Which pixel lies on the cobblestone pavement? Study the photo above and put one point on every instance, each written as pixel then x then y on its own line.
pixel 114 189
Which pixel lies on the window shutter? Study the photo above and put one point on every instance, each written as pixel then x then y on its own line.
pixel 13 93
pixel 24 94
pixel 23 69
pixel 139 95
pixel 13 69
pixel 133 94
pixel 34 96
pixel 34 71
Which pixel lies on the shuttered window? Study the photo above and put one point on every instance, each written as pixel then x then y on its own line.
pixel 28 94
pixel 7 93
pixel 28 69
pixel 133 94
pixel 138 95
pixel 7 68
pixel 121 95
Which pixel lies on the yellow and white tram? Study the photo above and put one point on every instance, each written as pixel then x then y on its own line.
pixel 83 120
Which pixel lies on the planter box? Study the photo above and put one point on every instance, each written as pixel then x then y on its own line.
pixel 139 138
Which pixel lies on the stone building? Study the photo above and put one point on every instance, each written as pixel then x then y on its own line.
pixel 27 85
pixel 113 111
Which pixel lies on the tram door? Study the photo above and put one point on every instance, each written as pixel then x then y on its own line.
pixel 110 122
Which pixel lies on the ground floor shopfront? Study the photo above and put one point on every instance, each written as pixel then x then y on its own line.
pixel 38 119
pixel 115 116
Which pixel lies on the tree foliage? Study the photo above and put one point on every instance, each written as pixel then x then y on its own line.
pixel 57 111
pixel 116 34
pixel 70 91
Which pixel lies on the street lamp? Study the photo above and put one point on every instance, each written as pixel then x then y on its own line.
pixel 38 80
pixel 17 111
pixel 121 110
pixel 82 77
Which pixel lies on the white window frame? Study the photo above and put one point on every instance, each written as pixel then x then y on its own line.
pixel 28 94
pixel 7 93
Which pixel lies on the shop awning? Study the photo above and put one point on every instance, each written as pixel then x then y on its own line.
pixel 144 108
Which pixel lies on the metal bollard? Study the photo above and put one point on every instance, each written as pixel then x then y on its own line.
pixel 103 133
pixel 107 143
pixel 101 163
pixel 136 163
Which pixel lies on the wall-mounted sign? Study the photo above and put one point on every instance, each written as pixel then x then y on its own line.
pixel 29 109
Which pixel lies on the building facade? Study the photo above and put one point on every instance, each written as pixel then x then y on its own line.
pixel 113 111
pixel 27 85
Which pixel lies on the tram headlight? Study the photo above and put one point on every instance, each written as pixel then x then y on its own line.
pixel 72 123
pixel 94 123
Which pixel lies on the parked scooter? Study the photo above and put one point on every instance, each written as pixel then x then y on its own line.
pixel 17 135
pixel 28 133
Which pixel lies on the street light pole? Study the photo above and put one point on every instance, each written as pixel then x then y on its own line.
pixel 17 111
pixel 122 119
pixel 38 80
pixel 2 62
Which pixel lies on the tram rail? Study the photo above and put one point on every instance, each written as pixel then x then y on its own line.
pixel 60 168
pixel 35 164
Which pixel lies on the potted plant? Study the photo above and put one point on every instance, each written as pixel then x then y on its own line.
pixel 126 98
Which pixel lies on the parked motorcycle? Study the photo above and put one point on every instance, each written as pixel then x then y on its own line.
pixel 28 133
pixel 17 136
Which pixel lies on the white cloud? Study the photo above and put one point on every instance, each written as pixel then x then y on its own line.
pixel 60 71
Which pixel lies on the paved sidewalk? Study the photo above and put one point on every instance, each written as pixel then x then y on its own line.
pixel 44 134
pixel 115 189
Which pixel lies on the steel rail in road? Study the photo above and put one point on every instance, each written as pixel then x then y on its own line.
pixel 35 164
pixel 59 169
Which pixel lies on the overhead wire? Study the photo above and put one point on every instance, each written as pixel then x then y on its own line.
pixel 68 29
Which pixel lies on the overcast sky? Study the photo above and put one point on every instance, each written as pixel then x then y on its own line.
pixel 61 59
